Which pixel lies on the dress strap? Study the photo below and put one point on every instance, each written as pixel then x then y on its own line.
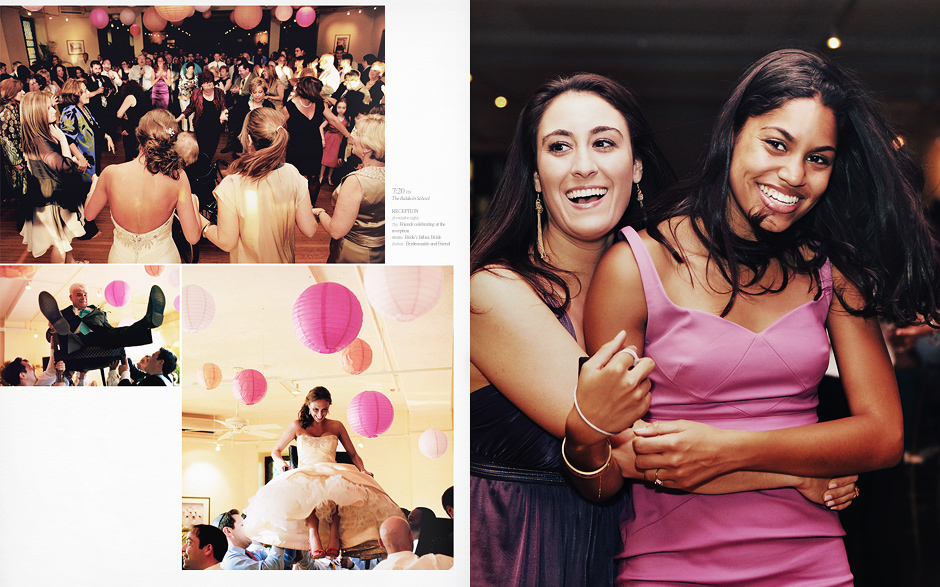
pixel 652 285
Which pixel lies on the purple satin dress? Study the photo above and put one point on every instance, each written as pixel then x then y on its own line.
pixel 528 525
pixel 714 371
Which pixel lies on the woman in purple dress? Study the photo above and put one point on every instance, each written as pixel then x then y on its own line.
pixel 582 149
pixel 803 227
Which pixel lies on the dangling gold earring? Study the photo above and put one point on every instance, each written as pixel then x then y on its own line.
pixel 538 226
pixel 639 195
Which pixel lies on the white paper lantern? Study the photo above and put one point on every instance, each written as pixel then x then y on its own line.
pixel 198 308
pixel 432 443
pixel 283 13
pixel 403 293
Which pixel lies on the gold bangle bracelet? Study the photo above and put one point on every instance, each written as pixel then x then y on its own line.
pixel 585 474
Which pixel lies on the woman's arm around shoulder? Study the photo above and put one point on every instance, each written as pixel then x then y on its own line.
pixel 518 345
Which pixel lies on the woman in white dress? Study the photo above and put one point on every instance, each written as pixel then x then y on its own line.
pixel 297 509
pixel 54 221
pixel 144 193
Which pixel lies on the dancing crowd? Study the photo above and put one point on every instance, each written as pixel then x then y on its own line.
pixel 293 122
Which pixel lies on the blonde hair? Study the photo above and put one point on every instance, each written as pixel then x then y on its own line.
pixel 188 147
pixel 34 122
pixel 256 82
pixel 370 130
pixel 157 134
pixel 268 148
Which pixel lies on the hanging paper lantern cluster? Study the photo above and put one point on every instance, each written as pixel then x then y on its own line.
pixel 326 317
pixel 153 21
pixel 357 357
pixel 118 293
pixel 249 387
pixel 209 375
pixel 432 443
pixel 370 414
pixel 403 293
pixel 283 13
pixel 153 270
pixel 306 16
pixel 135 29
pixel 128 17
pixel 248 17
pixel 98 18
pixel 198 308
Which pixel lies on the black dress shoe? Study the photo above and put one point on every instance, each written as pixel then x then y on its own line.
pixel 155 307
pixel 49 309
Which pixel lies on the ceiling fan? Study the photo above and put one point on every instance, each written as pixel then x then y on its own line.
pixel 240 426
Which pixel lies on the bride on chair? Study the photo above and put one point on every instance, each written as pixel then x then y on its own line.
pixel 321 497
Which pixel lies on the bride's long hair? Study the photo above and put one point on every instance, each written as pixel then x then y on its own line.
pixel 317 393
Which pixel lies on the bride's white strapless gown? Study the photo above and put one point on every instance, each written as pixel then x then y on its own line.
pixel 156 246
pixel 276 514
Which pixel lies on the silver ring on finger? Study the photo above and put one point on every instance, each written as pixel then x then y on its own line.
pixel 636 358
pixel 658 481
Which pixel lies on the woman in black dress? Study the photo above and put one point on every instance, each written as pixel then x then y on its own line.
pixel 304 114
pixel 135 105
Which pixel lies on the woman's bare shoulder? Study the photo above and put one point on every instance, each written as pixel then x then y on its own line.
pixel 497 283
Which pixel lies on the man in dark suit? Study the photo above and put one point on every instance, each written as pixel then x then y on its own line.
pixel 152 370
pixel 81 324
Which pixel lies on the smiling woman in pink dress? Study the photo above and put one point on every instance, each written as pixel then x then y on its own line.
pixel 744 276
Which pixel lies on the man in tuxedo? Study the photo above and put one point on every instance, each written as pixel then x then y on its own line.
pixel 81 324
pixel 240 92
pixel 152 370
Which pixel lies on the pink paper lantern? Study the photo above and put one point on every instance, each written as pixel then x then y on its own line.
pixel 98 18
pixel 231 17
pixel 33 8
pixel 283 13
pixel 118 293
pixel 249 387
pixel 248 17
pixel 153 270
pixel 357 357
pixel 174 13
pixel 198 308
pixel 201 8
pixel 306 16
pixel 16 271
pixel 174 276
pixel 370 414
pixel 403 293
pixel 128 17
pixel 209 375
pixel 135 30
pixel 153 21
pixel 326 317
pixel 432 443
pixel 176 303
pixel 207 14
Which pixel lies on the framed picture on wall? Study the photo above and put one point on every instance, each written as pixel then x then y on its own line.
pixel 76 47
pixel 195 511
pixel 341 40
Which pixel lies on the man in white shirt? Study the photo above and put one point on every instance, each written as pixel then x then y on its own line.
pixel 21 372
pixel 203 548
pixel 243 554
pixel 142 73
pixel 395 537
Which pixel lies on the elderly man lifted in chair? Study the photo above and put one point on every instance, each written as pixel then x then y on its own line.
pixel 80 324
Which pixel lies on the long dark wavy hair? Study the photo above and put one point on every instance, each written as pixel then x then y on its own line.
pixel 507 234
pixel 317 393
pixel 869 222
